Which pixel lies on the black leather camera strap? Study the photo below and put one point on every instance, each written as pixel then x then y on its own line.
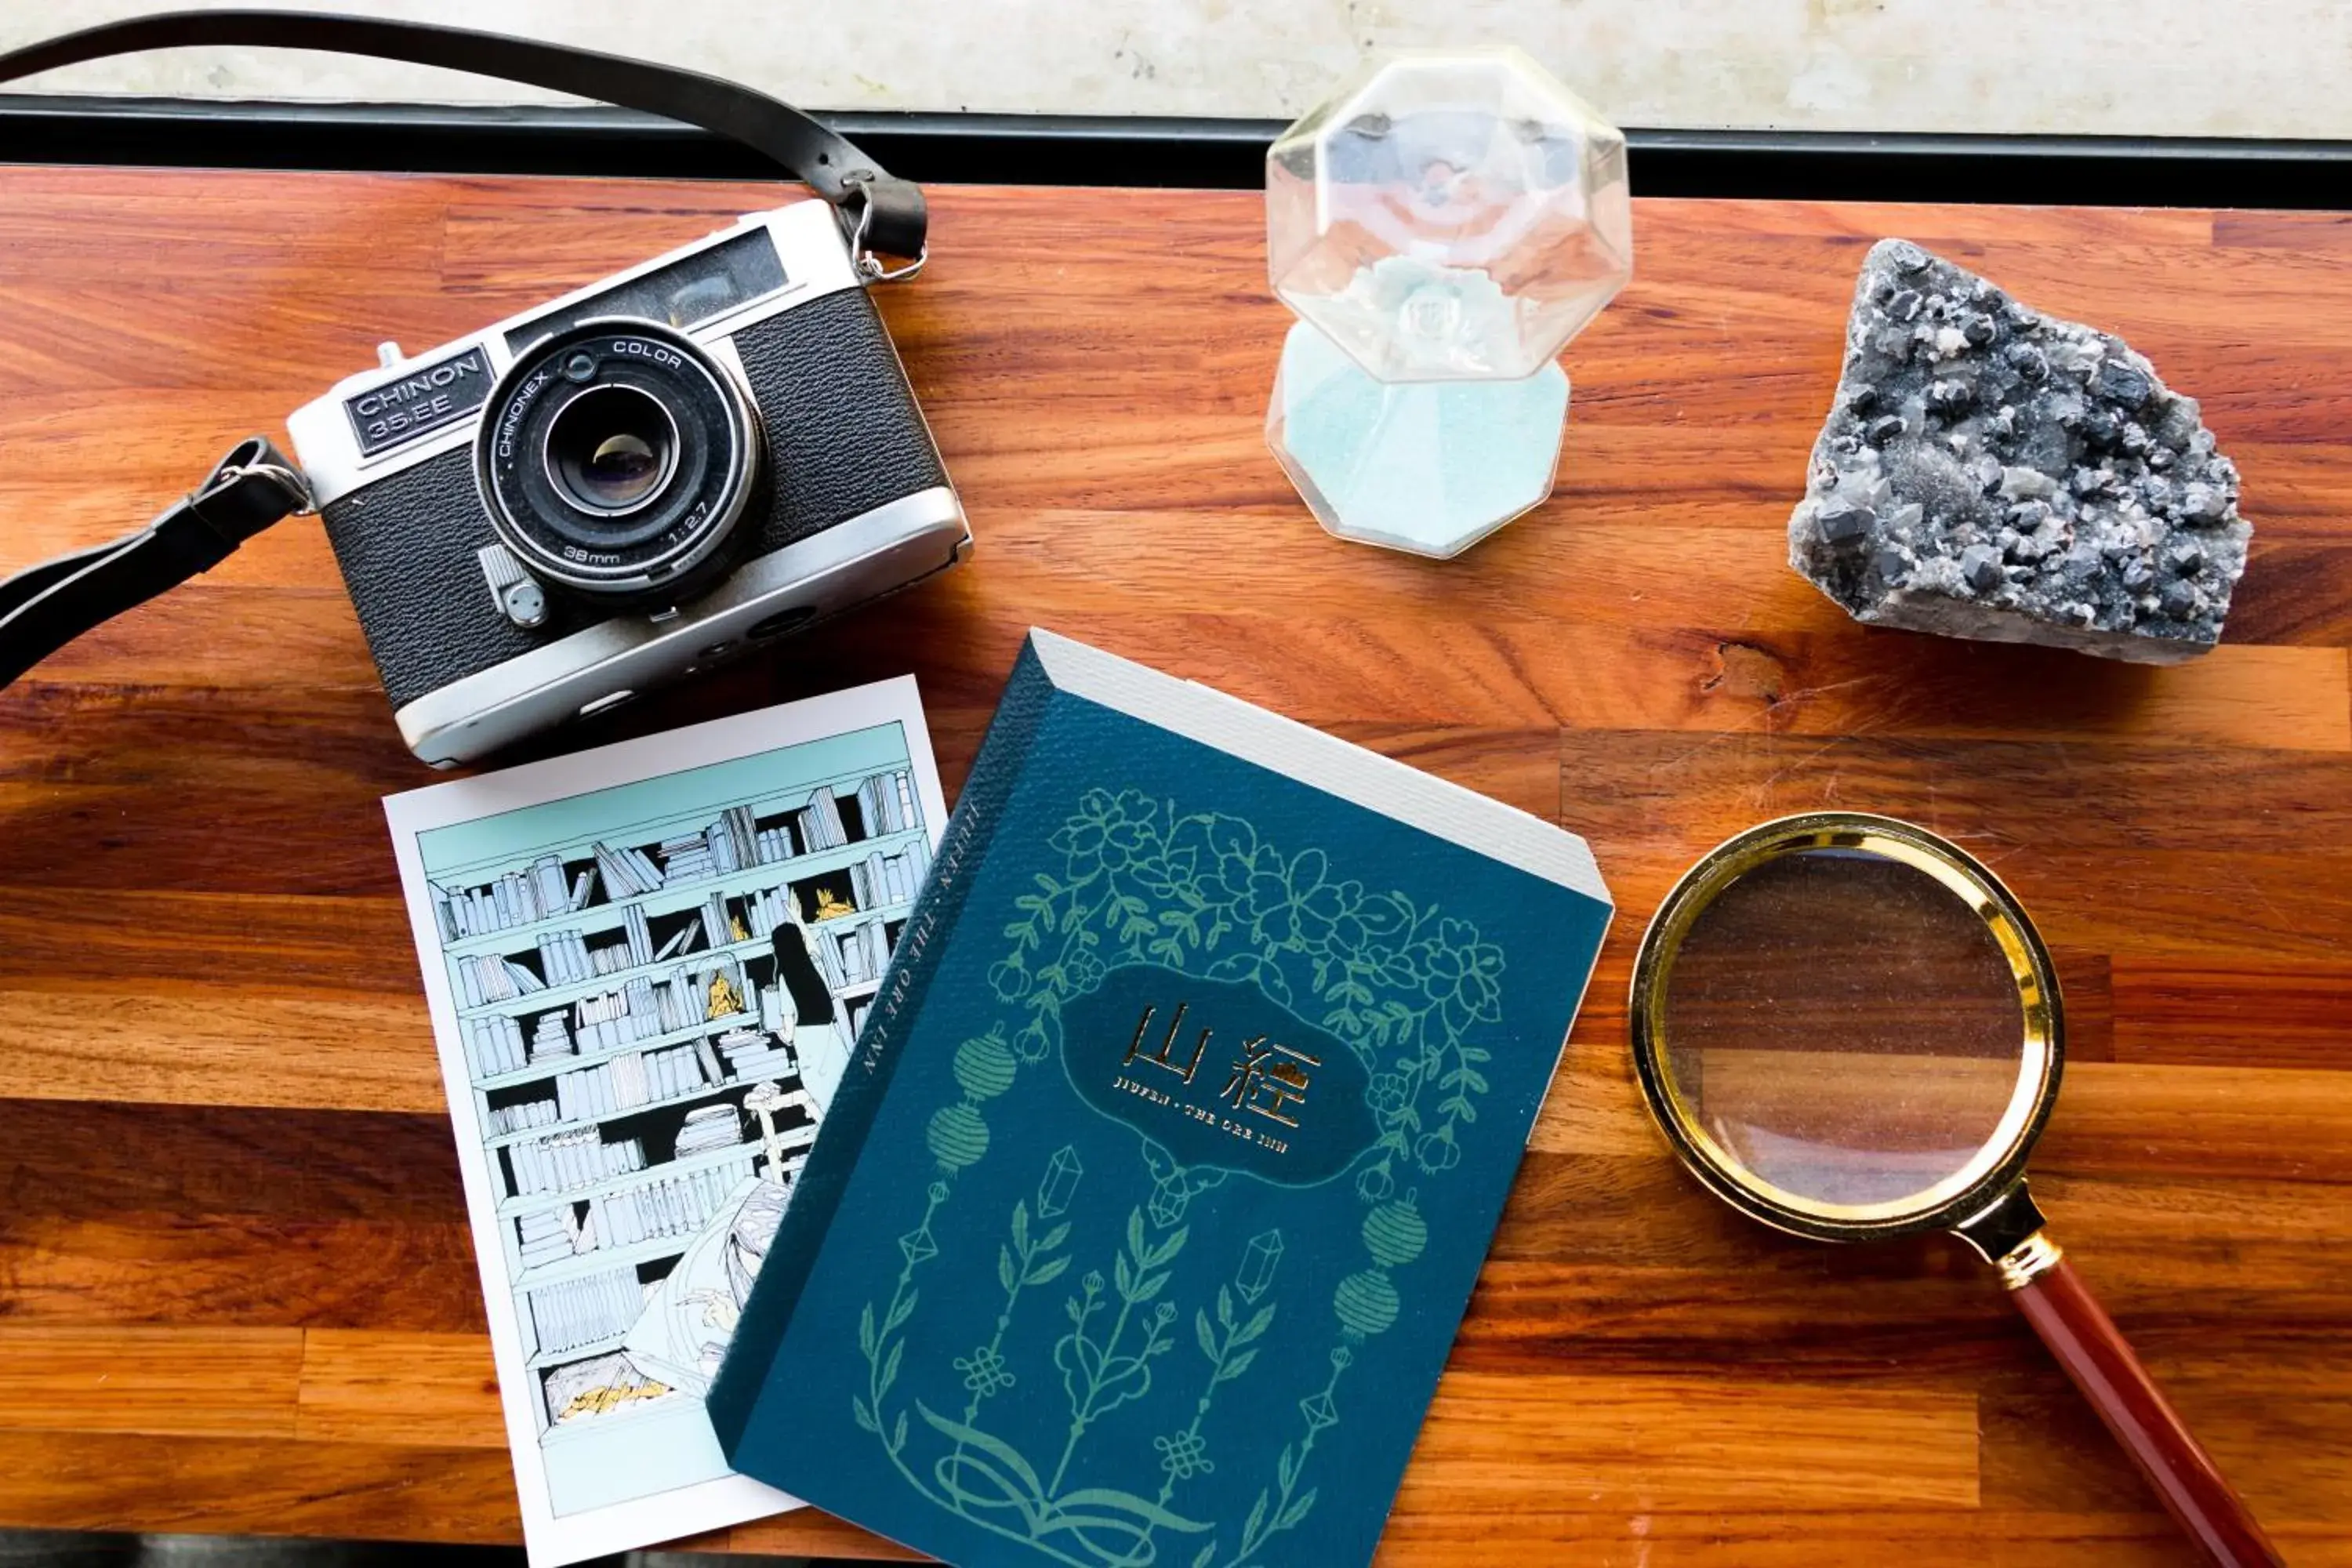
pixel 888 211
pixel 46 606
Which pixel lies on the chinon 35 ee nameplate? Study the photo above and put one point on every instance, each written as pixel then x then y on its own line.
pixel 1156 1185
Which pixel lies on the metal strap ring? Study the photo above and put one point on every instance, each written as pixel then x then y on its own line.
pixel 306 505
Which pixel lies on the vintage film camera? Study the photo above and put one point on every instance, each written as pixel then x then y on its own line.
pixel 666 468
pixel 652 474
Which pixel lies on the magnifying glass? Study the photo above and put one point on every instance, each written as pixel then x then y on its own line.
pixel 1848 1029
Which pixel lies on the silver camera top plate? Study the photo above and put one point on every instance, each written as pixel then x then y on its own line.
pixel 386 419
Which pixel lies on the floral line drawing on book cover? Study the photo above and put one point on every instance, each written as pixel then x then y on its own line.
pixel 1145 889
pixel 653 1012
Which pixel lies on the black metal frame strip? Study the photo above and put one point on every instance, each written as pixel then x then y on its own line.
pixel 588 141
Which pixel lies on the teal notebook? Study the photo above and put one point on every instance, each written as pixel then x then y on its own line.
pixel 1142 1223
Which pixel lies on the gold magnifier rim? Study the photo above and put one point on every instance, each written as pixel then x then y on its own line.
pixel 1997 1165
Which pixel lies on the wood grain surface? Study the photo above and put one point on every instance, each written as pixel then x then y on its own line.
pixel 237 1290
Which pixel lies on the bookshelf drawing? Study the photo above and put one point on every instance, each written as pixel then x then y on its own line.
pixel 642 1014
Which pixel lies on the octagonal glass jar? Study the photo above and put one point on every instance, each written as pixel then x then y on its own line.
pixel 1442 226
pixel 1452 216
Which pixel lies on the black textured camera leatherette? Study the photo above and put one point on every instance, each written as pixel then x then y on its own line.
pixel 406 546
pixel 844 433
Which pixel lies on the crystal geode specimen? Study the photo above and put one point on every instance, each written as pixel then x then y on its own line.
pixel 1987 471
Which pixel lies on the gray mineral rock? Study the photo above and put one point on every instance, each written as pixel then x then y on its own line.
pixel 1987 471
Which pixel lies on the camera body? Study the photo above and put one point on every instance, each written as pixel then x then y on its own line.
pixel 648 475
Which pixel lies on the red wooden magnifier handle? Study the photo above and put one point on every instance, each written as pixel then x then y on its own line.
pixel 2088 1345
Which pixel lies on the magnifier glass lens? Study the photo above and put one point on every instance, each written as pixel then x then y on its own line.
pixel 1844 1026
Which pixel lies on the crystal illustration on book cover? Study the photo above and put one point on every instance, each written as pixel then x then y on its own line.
pixel 1253 1014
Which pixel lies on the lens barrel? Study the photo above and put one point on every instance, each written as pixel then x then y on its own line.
pixel 616 458
pixel 612 450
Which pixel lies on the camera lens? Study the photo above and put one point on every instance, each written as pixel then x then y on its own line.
pixel 617 458
pixel 612 449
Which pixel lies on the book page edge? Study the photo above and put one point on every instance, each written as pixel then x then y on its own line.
pixel 1436 806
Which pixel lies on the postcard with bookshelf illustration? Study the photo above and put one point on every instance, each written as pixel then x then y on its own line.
pixel 1158 1180
pixel 646 965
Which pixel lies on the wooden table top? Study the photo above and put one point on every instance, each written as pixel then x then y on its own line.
pixel 235 1288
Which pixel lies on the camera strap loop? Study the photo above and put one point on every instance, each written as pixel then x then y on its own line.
pixel 870 267
pixel 44 608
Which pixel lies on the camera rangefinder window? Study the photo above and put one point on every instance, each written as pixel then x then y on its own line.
pixel 616 458
pixel 708 283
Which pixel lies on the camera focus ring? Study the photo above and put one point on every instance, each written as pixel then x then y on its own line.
pixel 615 458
